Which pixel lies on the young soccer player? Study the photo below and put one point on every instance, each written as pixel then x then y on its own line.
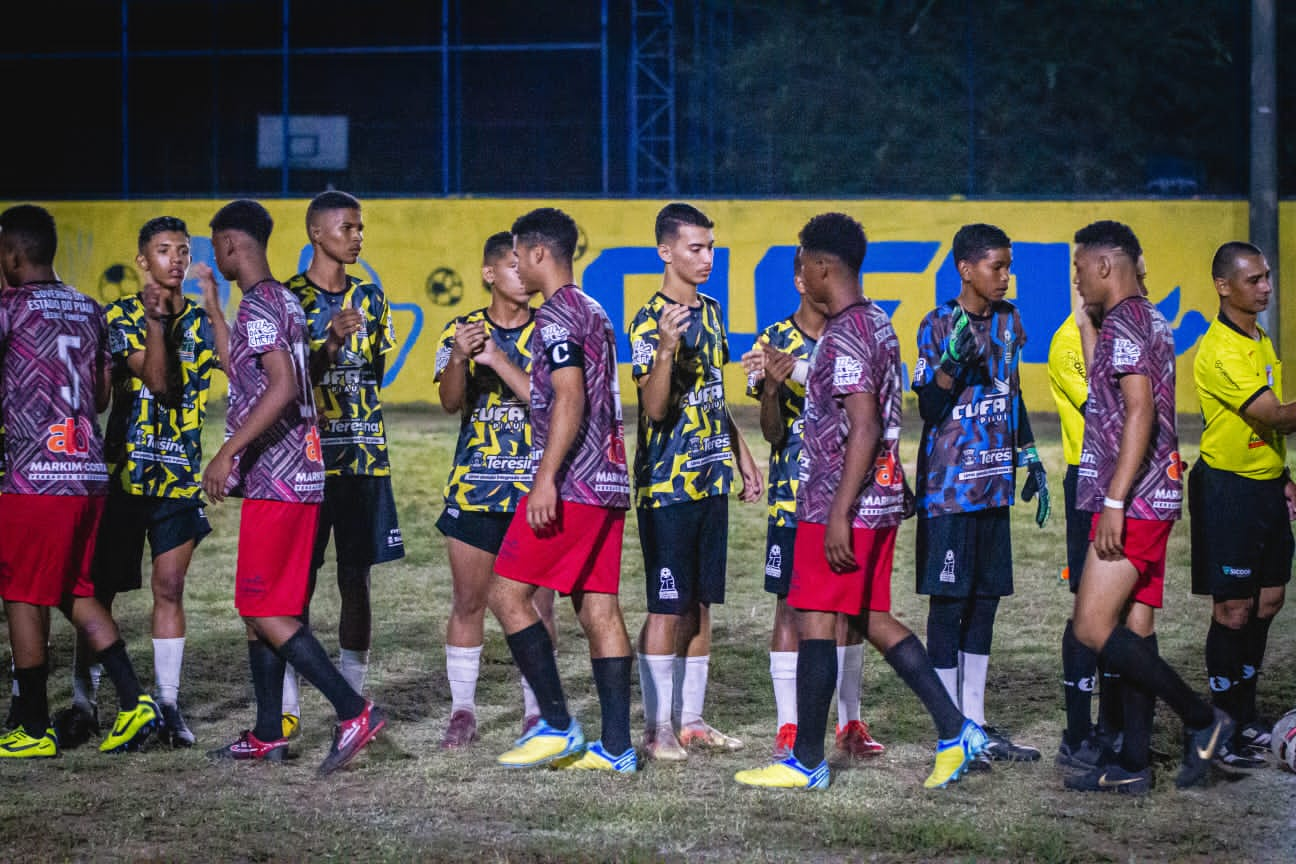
pixel 777 367
pixel 271 458
pixel 566 533
pixel 1240 495
pixel 1130 481
pixel 483 371
pixel 54 380
pixel 849 506
pixel 976 432
pixel 683 473
pixel 350 335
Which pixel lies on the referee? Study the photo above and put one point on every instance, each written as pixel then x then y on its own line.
pixel 1241 498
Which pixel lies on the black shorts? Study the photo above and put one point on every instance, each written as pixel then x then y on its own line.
pixel 478 529
pixel 779 540
pixel 1078 523
pixel 962 554
pixel 684 548
pixel 168 523
pixel 1241 537
pixel 360 513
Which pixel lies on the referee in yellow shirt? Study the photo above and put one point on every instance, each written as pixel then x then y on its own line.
pixel 1241 498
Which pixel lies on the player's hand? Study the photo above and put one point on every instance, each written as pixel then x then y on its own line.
pixel 671 325
pixel 469 339
pixel 346 323
pixel 839 544
pixel 489 352
pixel 207 284
pixel 542 506
pixel 1036 483
pixel 160 302
pixel 1289 492
pixel 1109 534
pixel 753 480
pixel 217 475
pixel 753 362
pixel 778 366
pixel 961 348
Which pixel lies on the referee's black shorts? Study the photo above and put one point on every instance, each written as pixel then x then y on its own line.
pixel 1241 536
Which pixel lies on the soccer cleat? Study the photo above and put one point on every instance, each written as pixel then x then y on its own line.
pixel 174 729
pixel 249 747
pixel 954 754
pixel 76 725
pixel 787 774
pixel 291 726
pixel 350 737
pixel 133 728
pixel 784 741
pixel 854 740
pixel 1256 735
pixel 1200 746
pixel 543 744
pixel 1082 757
pixel 660 743
pixel 596 758
pixel 699 734
pixel 1242 760
pixel 1000 749
pixel 19 745
pixel 462 730
pixel 1111 778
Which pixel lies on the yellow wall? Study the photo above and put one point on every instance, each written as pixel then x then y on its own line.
pixel 427 255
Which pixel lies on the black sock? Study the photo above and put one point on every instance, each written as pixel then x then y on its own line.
pixel 1079 664
pixel 267 685
pixel 33 703
pixel 117 666
pixel 1111 707
pixel 1127 654
pixel 612 679
pixel 309 658
pixel 533 654
pixel 1140 707
pixel 1257 637
pixel 944 624
pixel 1225 649
pixel 911 663
pixel 816 680
pixel 978 625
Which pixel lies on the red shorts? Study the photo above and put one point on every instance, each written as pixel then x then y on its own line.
pixel 46 546
pixel 276 539
pixel 817 587
pixel 583 554
pixel 1145 548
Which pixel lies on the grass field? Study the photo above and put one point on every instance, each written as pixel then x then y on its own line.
pixel 404 799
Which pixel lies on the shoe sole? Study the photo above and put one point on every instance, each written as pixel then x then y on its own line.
pixel 325 770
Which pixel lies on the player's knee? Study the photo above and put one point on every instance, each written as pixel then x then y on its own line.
pixel 1232 614
pixel 168 587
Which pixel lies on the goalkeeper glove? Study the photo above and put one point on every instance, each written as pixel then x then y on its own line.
pixel 962 348
pixel 1036 483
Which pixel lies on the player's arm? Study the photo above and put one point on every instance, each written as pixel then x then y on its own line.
pixel 464 339
pixel 280 392
pixel 509 372
pixel 857 462
pixel 212 305
pixel 654 386
pixel 341 327
pixel 1265 409
pixel 383 339
pixel 753 480
pixel 564 424
pixel 1136 437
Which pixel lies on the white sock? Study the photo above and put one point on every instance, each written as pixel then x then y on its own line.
pixel 950 678
pixel 462 667
pixel 850 681
pixel 974 668
pixel 167 657
pixel 657 682
pixel 354 666
pixel 291 697
pixel 783 674
pixel 693 688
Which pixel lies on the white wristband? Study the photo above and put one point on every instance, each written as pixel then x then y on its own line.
pixel 801 371
pixel 1113 503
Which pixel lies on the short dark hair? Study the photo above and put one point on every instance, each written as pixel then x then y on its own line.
pixel 247 216
pixel 836 234
pixel 159 225
pixel 551 228
pixel 497 245
pixel 31 228
pixel 672 216
pixel 1224 264
pixel 974 242
pixel 330 200
pixel 1112 235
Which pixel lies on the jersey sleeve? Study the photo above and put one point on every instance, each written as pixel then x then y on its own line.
pixel 771 335
pixel 382 333
pixel 853 368
pixel 643 342
pixel 931 345
pixel 445 344
pixel 1230 379
pixel 1066 366
pixel 1126 347
pixel 721 330
pixel 125 331
pixel 264 326
pixel 562 337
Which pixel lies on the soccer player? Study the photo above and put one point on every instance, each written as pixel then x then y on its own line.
pixel 566 533
pixel 483 372
pixel 850 503
pixel 271 458
pixel 683 473
pixel 1130 479
pixel 1240 494
pixel 350 335
pixel 777 367
pixel 54 380
pixel 976 433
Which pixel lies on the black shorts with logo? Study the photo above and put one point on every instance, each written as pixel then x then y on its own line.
pixel 685 553
pixel 779 540
pixel 481 530
pixel 965 554
pixel 360 514
pixel 167 523
pixel 1241 536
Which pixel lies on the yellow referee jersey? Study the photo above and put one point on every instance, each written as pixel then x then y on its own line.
pixel 1230 371
pixel 1069 384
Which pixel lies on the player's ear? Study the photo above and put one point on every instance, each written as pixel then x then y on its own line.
pixel 141 262
pixel 1104 267
pixel 664 252
pixel 488 275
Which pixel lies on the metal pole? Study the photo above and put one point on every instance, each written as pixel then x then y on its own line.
pixel 125 101
pixel 970 39
pixel 283 168
pixel 445 98
pixel 603 88
pixel 1264 153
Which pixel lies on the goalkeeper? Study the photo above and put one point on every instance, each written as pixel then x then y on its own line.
pixel 976 434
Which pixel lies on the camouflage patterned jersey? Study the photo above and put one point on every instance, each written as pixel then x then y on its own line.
pixel 785 460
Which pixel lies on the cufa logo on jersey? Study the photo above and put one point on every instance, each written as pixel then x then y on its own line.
pixel 69 438
pixel 313 445
pixel 1176 467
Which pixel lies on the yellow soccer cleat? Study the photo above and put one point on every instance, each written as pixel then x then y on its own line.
pixel 788 774
pixel 544 744
pixel 596 758
pixel 954 754
pixel 291 725
pixel 19 745
pixel 133 728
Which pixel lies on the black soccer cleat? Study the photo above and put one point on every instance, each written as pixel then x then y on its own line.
pixel 1001 749
pixel 1200 747
pixel 76 725
pixel 175 731
pixel 1082 757
pixel 1111 778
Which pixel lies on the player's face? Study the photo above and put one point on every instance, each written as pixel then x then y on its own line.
pixel 526 269
pixel 690 254
pixel 1086 278
pixel 989 276
pixel 1248 289
pixel 165 259
pixel 507 283
pixel 225 249
pixel 339 234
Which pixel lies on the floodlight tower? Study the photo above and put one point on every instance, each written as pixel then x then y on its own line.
pixel 651 95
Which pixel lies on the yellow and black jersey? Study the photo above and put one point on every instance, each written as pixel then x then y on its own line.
pixel 153 445
pixel 348 398
pixel 492 463
pixel 1069 384
pixel 1230 371
pixel 687 456
pixel 785 459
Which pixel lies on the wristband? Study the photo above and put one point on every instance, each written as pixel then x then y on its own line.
pixel 1113 503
